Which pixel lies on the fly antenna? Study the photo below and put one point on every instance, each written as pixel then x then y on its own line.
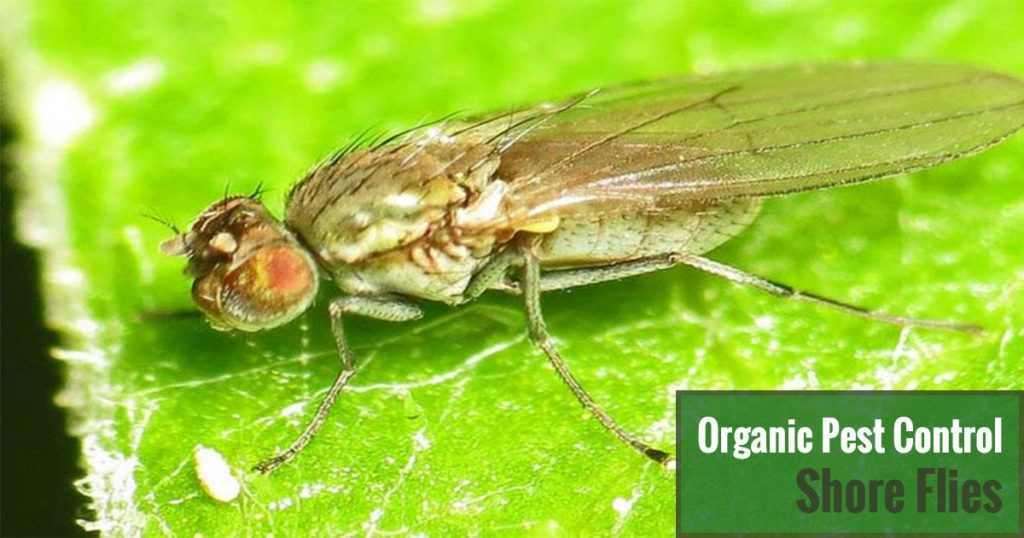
pixel 163 221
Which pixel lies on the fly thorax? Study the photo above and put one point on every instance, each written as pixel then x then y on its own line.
pixel 386 219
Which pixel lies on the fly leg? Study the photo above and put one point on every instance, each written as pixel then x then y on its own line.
pixel 382 309
pixel 493 275
pixel 574 278
pixel 539 335
pixel 571 278
pixel 781 290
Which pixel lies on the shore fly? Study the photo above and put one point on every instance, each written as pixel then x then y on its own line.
pixel 612 183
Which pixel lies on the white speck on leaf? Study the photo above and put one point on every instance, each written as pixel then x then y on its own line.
pixel 67 276
pixel 135 77
pixel 321 75
pixel 78 356
pixel 293 409
pixel 280 505
pixel 766 323
pixel 214 475
pixel 309 491
pixel 622 506
pixel 60 112
pixel 437 10
pixel 266 53
pixel 86 326
pixel 420 441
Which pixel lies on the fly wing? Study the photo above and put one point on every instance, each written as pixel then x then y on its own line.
pixel 663 144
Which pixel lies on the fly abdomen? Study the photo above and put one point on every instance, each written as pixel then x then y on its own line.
pixel 610 237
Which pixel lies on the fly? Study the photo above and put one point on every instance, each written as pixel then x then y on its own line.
pixel 610 184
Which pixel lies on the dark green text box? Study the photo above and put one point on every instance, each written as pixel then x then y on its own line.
pixel 722 493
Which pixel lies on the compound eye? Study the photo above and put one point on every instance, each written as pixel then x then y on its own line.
pixel 271 287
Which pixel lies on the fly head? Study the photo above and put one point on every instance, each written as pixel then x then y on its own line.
pixel 250 271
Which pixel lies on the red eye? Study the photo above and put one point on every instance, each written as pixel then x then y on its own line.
pixel 270 288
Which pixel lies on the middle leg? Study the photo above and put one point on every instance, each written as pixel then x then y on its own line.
pixel 539 335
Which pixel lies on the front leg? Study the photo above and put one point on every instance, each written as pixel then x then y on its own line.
pixel 387 309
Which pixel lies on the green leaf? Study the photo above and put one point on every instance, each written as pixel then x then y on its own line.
pixel 456 424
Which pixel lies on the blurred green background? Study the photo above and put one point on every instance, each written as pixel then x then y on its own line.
pixel 457 425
